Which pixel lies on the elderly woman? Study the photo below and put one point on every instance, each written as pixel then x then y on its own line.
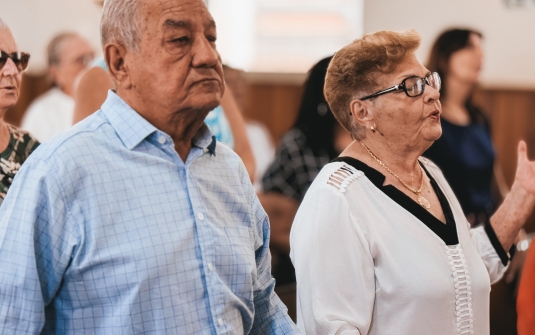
pixel 15 144
pixel 380 244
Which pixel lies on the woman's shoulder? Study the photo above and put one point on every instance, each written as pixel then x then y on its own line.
pixel 335 178
pixel 21 141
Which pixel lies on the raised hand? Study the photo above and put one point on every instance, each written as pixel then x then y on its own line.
pixel 525 169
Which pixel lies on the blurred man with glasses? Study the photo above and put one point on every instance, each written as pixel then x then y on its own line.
pixel 69 54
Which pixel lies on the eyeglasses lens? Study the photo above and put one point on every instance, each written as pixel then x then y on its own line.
pixel 414 86
pixel 434 81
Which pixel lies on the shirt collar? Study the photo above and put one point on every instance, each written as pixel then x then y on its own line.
pixel 205 139
pixel 131 127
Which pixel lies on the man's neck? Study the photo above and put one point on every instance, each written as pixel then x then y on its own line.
pixel 180 125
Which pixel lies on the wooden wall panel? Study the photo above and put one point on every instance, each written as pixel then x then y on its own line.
pixel 274 105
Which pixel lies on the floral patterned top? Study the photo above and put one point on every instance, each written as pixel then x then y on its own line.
pixel 21 145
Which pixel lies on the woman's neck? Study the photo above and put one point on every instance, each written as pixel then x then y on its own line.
pixel 402 160
pixel 454 104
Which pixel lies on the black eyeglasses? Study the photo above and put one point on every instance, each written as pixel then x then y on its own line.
pixel 413 86
pixel 20 59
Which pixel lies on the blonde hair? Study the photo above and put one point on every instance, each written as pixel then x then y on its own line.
pixel 356 67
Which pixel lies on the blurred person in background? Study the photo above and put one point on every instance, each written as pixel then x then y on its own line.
pixel 259 137
pixel 314 140
pixel 68 55
pixel 465 152
pixel 15 144
pixel 225 121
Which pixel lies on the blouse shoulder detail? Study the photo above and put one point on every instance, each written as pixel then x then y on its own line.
pixel 463 290
pixel 342 177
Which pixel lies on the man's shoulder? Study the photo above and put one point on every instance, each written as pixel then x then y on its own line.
pixel 74 141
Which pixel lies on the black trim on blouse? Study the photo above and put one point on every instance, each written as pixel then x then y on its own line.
pixel 497 245
pixel 447 232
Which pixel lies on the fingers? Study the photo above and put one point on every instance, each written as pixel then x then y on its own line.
pixel 522 151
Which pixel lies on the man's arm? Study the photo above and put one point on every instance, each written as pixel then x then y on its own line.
pixel 271 316
pixel 35 246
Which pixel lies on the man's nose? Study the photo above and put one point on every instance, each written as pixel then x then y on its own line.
pixel 204 53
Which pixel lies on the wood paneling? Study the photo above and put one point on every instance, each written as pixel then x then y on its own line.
pixel 275 105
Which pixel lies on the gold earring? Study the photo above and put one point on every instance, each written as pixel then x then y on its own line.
pixel 372 128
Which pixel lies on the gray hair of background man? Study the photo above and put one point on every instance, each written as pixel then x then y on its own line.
pixel 3 24
pixel 55 46
pixel 120 23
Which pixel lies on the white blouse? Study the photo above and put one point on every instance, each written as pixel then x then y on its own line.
pixel 370 260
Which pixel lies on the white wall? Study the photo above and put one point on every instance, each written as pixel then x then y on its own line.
pixel 35 22
pixel 509 33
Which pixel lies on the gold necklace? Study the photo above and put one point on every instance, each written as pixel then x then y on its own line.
pixel 421 200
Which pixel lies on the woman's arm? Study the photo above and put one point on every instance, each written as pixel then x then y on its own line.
pixel 519 202
pixel 237 126
pixel 333 265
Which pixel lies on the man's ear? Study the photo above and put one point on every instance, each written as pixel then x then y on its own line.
pixel 360 113
pixel 115 55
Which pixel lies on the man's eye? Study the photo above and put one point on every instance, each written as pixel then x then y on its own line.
pixel 211 38
pixel 183 39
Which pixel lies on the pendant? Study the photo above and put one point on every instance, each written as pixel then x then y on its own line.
pixel 423 202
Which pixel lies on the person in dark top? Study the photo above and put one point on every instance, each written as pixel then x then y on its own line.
pixel 465 152
pixel 314 139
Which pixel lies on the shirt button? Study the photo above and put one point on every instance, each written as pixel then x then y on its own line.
pixel 200 216
pixel 161 140
pixel 211 266
pixel 220 321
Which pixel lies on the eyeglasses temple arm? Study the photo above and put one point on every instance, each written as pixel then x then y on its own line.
pixel 391 89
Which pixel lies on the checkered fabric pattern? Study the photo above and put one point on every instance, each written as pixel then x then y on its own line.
pixel 294 167
pixel 105 230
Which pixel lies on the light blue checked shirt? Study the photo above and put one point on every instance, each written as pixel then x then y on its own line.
pixel 105 230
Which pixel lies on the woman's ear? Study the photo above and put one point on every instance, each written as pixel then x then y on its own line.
pixel 115 55
pixel 360 112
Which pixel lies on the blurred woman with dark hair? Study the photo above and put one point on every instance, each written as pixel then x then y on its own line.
pixel 315 139
pixel 465 151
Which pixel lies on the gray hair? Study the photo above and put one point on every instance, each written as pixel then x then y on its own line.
pixel 3 24
pixel 120 23
pixel 55 47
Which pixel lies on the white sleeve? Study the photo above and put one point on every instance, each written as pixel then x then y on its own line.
pixel 333 265
pixel 36 123
pixel 489 253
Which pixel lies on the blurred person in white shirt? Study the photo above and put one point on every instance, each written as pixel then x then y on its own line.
pixel 68 55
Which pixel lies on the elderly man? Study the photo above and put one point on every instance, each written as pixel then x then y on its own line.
pixel 135 221
pixel 68 55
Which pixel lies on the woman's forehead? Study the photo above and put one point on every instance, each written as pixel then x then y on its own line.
pixel 411 66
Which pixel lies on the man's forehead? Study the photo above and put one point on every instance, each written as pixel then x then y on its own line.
pixel 178 11
pixel 7 42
